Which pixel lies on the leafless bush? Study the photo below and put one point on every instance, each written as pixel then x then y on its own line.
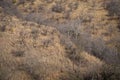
pixel 110 72
pixel 71 29
pixel 18 53
pixel 83 40
pixel 73 5
pixel 113 7
pixel 57 8
pixel 2 28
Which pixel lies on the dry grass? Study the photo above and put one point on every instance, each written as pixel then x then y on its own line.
pixel 58 40
pixel 33 52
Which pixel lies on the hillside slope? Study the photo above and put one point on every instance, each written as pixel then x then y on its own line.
pixel 59 40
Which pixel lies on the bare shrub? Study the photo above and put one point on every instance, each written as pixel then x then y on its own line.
pixel 110 72
pixel 73 5
pixel 83 40
pixel 113 7
pixel 57 8
pixel 18 53
pixel 2 28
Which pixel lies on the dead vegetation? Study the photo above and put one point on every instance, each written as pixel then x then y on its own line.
pixel 59 40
